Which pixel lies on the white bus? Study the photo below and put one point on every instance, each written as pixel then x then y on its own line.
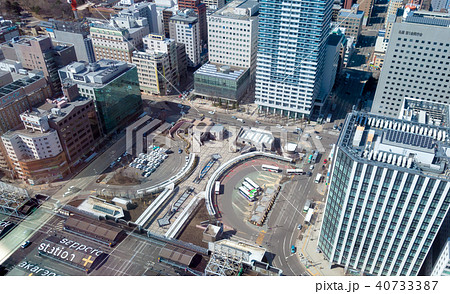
pixel 217 188
pixel 251 183
pixel 318 178
pixel 246 194
pixel 248 186
pixel 294 171
pixel 309 215
pixel 271 168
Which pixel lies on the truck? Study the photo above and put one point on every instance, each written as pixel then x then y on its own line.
pixel 309 215
pixel 307 205
pixel 329 118
pixel 318 178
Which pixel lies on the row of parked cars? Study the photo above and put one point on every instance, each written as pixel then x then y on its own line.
pixel 149 162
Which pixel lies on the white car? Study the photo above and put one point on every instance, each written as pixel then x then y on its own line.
pixel 311 166
pixel 318 137
pixel 211 112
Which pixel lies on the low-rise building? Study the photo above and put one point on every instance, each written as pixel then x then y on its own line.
pixel 8 30
pixel 221 82
pixel 35 152
pixel 258 138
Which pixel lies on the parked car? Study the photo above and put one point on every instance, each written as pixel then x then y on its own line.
pixel 211 112
pixel 311 166
pixel 233 117
pixel 318 137
pixel 299 226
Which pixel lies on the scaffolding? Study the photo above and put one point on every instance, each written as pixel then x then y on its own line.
pixel 12 199
pixel 226 261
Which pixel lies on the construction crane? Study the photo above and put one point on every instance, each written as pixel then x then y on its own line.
pixel 73 3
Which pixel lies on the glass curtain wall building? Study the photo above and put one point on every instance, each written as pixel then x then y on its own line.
pixel 388 195
pixel 291 53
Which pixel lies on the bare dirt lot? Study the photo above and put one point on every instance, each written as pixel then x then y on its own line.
pixel 192 233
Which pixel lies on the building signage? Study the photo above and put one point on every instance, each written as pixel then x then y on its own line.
pixel 35 269
pixel 409 33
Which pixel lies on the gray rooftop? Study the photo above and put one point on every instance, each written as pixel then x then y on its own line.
pixel 239 9
pixel 221 71
pixel 184 18
pixel 429 18
pixel 351 14
pixel 257 135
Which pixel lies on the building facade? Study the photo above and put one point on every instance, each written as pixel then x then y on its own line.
pixel 366 6
pixel 76 124
pixel 233 35
pixel 213 4
pixel 114 87
pixel 200 11
pixel 416 63
pixel 143 9
pixel 291 55
pixel 77 33
pixel 8 30
pixel 185 29
pixel 351 20
pixel 40 53
pixel 157 67
pixel 221 82
pixel 117 42
pixel 388 195
pixel 35 152
pixel 442 266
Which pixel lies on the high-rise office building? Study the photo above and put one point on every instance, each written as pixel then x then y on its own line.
pixel 113 85
pixel 233 35
pixel 416 64
pixel 389 191
pixel 291 55
pixel 143 9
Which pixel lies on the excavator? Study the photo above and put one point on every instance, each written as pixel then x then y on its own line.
pixel 73 3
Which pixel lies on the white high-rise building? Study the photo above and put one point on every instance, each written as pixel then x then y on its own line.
pixel 417 63
pixel 291 53
pixel 185 29
pixel 389 191
pixel 233 35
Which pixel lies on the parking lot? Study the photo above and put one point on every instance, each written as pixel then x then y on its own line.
pixel 151 168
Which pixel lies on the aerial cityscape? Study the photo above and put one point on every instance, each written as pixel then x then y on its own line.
pixel 225 138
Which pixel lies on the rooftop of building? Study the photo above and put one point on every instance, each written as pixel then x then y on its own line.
pixel 100 207
pixel 29 133
pixel 221 71
pixel 184 18
pixel 57 110
pixel 26 41
pixel 349 13
pixel 256 135
pixel 98 73
pixel 409 145
pixel 334 39
pixel 148 54
pixel 439 19
pixel 239 9
pixel 80 26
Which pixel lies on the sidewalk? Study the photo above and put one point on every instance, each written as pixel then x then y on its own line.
pixel 315 262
